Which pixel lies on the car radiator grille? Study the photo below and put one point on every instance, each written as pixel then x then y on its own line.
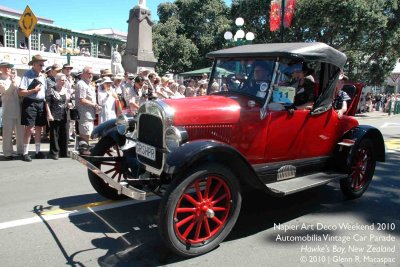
pixel 151 133
pixel 219 132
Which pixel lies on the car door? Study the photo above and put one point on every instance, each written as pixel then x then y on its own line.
pixel 354 91
pixel 284 134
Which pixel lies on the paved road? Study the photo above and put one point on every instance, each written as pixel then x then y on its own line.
pixel 50 216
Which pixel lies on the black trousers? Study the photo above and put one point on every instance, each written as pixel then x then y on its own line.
pixel 59 138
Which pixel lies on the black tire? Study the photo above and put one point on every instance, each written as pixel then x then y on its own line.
pixel 361 170
pixel 102 148
pixel 207 222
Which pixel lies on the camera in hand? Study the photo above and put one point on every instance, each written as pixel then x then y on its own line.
pixel 149 95
pixel 33 84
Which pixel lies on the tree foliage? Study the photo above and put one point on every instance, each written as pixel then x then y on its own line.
pixel 368 32
pixel 187 31
pixel 174 51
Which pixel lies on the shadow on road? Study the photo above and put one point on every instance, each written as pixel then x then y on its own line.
pixel 130 234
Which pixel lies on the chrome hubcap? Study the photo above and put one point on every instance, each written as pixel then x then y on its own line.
pixel 210 213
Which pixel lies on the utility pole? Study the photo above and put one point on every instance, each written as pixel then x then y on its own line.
pixel 282 19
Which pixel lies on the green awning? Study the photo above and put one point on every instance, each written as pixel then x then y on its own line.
pixel 199 72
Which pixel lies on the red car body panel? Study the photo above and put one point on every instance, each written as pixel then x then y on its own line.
pixel 204 110
pixel 281 136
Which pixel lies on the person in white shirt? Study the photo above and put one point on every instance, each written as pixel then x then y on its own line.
pixel 11 111
pixel 106 97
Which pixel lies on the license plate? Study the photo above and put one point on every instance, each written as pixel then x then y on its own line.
pixel 146 151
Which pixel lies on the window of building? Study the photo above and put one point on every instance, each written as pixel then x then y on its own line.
pixel 9 35
pixel 35 40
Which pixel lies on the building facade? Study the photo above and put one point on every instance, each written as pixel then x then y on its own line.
pixel 59 45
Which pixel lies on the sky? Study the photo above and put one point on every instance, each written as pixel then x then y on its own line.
pixel 86 14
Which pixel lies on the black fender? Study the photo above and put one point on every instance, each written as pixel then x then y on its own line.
pixel 195 152
pixel 102 129
pixel 108 128
pixel 359 133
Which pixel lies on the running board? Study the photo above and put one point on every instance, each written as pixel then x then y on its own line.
pixel 122 187
pixel 297 184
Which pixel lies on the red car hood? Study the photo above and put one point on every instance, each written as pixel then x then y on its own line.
pixel 204 110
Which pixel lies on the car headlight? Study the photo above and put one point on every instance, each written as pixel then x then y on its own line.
pixel 122 124
pixel 175 137
pixel 151 108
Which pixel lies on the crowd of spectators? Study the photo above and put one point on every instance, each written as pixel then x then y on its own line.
pixel 39 103
pixel 44 107
pixel 377 102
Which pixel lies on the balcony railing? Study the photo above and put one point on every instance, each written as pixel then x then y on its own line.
pixel 20 59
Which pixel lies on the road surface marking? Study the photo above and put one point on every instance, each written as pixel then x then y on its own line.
pixel 393 144
pixel 73 211
pixel 390 125
pixel 76 208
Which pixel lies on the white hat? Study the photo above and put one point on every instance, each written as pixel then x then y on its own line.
pixel 143 70
pixel 106 80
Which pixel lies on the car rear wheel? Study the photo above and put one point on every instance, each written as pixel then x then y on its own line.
pixel 361 171
pixel 199 209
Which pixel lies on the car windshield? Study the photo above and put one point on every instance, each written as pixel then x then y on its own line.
pixel 251 77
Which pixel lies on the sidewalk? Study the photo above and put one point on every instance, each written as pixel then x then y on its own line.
pixel 373 115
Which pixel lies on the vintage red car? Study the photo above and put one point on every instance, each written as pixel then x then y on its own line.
pixel 269 125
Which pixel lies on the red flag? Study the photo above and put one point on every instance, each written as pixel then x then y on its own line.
pixel 289 11
pixel 275 15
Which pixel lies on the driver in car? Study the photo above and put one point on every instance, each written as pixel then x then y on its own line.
pixel 258 86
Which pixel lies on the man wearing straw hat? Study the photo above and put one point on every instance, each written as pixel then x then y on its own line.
pixel 33 112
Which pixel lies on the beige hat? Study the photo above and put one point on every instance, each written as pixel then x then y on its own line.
pixel 106 72
pixel 56 67
pixel 36 58
pixel 119 76
pixel 67 66
pixel 143 70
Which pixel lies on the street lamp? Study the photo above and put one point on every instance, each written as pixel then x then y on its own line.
pixel 240 36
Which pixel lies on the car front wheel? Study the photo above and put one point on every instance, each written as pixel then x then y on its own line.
pixel 199 209
pixel 111 165
pixel 361 171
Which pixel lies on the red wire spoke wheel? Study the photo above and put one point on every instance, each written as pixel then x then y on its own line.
pixel 202 210
pixel 199 209
pixel 112 168
pixel 361 171
pixel 111 165
pixel 360 168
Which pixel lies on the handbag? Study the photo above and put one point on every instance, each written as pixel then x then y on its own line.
pixel 74 114
pixel 118 107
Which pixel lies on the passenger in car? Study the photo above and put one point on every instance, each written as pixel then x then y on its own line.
pixel 340 102
pixel 305 86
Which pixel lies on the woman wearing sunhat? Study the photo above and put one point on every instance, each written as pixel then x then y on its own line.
pixel 106 97
pixel 305 86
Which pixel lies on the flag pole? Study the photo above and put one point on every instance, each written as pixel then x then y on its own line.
pixel 282 19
